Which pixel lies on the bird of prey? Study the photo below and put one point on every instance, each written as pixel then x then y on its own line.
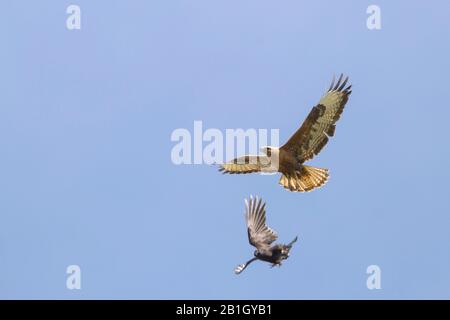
pixel 261 236
pixel 306 142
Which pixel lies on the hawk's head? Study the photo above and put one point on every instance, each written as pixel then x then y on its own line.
pixel 267 150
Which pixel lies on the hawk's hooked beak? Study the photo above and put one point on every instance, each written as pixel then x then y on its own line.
pixel 266 150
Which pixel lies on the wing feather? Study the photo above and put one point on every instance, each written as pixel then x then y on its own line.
pixel 259 234
pixel 320 124
pixel 245 164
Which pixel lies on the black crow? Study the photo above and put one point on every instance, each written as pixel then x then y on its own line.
pixel 261 236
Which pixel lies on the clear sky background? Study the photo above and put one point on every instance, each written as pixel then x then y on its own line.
pixel 86 176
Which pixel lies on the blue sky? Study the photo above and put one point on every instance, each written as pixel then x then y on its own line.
pixel 86 176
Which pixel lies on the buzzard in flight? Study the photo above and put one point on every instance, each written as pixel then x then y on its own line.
pixel 306 142
pixel 261 236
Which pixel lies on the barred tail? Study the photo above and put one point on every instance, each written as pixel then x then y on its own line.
pixel 307 179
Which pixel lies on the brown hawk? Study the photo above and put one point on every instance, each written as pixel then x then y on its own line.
pixel 306 142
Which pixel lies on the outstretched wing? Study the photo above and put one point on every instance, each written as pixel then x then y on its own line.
pixel 245 164
pixel 259 234
pixel 320 124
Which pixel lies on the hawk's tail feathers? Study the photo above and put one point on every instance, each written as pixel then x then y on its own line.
pixel 305 180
